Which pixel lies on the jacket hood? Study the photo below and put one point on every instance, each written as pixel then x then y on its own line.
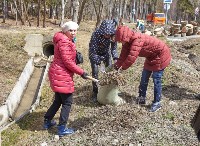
pixel 58 36
pixel 123 34
pixel 107 27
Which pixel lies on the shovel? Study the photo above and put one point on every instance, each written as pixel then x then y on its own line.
pixel 93 79
pixel 39 58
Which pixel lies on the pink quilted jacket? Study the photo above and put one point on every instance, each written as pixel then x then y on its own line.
pixel 156 52
pixel 63 66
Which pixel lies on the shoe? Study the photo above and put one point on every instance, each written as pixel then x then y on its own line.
pixel 48 124
pixel 94 97
pixel 62 130
pixel 155 107
pixel 120 94
pixel 198 135
pixel 197 96
pixel 141 100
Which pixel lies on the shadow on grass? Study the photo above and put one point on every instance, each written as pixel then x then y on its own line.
pixel 174 92
pixel 83 96
pixel 195 123
pixel 127 97
pixel 82 123
pixel 34 122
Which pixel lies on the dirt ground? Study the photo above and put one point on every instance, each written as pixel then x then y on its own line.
pixel 127 124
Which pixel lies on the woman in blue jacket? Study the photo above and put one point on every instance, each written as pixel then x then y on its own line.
pixel 101 49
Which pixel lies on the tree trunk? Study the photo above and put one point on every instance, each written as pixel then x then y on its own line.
pixel 75 10
pixel 144 9
pixel 62 12
pixel 133 11
pixel 50 12
pixel 18 12
pixel 4 11
pixel 26 13
pixel 56 11
pixel 32 10
pixel 124 11
pixel 114 10
pixel 22 11
pixel 80 14
pixel 44 16
pixel 98 11
pixel 110 6
pixel 38 16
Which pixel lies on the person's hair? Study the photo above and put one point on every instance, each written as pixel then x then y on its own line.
pixel 69 25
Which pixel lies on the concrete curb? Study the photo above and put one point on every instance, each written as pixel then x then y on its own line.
pixel 34 45
pixel 13 100
pixel 5 109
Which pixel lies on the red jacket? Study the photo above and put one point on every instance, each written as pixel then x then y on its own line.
pixel 63 66
pixel 156 52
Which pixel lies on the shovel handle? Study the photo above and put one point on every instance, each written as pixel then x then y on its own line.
pixel 93 79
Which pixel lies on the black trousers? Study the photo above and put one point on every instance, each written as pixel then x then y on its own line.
pixel 95 71
pixel 64 100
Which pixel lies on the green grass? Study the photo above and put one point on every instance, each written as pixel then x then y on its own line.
pixel 169 116
pixel 81 113
pixel 11 136
pixel 169 76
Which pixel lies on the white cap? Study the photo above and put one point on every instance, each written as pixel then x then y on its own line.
pixel 69 25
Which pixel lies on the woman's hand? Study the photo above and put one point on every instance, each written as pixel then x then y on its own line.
pixel 84 75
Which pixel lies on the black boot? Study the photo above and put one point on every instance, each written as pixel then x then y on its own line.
pixel 94 97
pixel 198 135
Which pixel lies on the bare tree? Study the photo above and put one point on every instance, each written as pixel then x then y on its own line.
pixel 63 11
pixel 4 11
pixel 133 10
pixel 26 13
pixel 18 12
pixel 124 11
pixel 21 9
pixel 44 15
pixel 38 16
pixel 80 13
pixel 98 7
pixel 75 10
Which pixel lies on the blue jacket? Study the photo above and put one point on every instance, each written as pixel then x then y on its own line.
pixel 100 48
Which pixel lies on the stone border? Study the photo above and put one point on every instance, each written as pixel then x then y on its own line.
pixel 13 100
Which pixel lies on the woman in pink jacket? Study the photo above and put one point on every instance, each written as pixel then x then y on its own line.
pixel 61 74
pixel 157 58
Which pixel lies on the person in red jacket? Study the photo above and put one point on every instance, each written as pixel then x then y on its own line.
pixel 157 58
pixel 61 73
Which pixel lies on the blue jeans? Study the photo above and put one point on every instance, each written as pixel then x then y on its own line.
pixel 142 28
pixel 157 75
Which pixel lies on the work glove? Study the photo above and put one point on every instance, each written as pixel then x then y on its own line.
pixel 110 68
pixel 84 75
pixel 119 69
pixel 115 66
